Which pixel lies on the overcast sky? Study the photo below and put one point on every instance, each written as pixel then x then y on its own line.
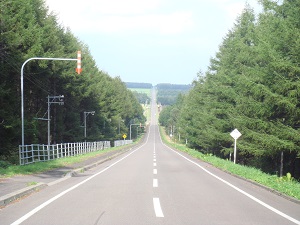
pixel 150 41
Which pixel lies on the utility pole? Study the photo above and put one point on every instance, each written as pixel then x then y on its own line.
pixel 53 100
pixel 85 116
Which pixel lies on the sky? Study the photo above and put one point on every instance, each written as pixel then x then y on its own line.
pixel 150 41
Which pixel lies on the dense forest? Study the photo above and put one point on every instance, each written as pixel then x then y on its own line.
pixel 252 84
pixel 138 85
pixel 168 93
pixel 28 29
pixel 143 98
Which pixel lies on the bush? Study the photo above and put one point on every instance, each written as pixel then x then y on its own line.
pixel 4 164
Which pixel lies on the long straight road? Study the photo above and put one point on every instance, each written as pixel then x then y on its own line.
pixel 153 184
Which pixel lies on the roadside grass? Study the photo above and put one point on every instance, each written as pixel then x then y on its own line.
pixel 285 185
pixel 39 167
pixel 147 113
pixel 32 183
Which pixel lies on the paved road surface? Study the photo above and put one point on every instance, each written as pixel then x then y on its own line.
pixel 153 184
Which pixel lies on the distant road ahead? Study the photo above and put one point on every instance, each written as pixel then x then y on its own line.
pixel 153 184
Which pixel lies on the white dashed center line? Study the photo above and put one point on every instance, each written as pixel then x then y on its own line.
pixel 154 171
pixel 157 208
pixel 155 183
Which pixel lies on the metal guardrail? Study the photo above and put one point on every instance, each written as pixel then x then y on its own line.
pixel 40 152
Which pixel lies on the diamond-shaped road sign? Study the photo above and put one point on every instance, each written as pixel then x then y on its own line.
pixel 235 134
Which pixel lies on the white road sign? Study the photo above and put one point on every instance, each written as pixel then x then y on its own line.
pixel 235 134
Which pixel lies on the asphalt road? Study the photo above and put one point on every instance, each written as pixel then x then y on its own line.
pixel 153 184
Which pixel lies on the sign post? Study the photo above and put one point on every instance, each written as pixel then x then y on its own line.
pixel 235 134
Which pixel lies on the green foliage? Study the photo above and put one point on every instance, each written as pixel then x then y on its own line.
pixel 252 84
pixel 143 95
pixel 28 30
pixel 167 94
pixel 287 178
pixel 4 164
pixel 286 185
pixel 134 85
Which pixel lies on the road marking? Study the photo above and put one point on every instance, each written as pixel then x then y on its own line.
pixel 154 160
pixel 154 164
pixel 154 146
pixel 35 210
pixel 154 171
pixel 157 208
pixel 241 191
pixel 155 183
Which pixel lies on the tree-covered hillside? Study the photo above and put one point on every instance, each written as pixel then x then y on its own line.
pixel 138 85
pixel 253 85
pixel 168 93
pixel 28 29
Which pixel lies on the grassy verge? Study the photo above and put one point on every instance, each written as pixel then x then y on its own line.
pixel 147 113
pixel 39 167
pixel 285 185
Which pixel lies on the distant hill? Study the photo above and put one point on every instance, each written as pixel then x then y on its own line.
pixel 174 86
pixel 167 94
pixel 138 85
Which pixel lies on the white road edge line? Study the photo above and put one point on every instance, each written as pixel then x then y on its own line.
pixel 35 210
pixel 155 183
pixel 241 191
pixel 157 208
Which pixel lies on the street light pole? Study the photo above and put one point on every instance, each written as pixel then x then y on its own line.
pixel 22 89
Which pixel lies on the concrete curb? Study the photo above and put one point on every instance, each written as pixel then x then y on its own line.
pixel 7 199
pixel 88 167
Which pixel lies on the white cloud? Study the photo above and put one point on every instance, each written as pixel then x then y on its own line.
pixel 164 24
pixel 111 16
pixel 233 8
pixel 123 7
pixel 103 6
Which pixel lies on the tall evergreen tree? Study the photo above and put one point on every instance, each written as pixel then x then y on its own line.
pixel 28 30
